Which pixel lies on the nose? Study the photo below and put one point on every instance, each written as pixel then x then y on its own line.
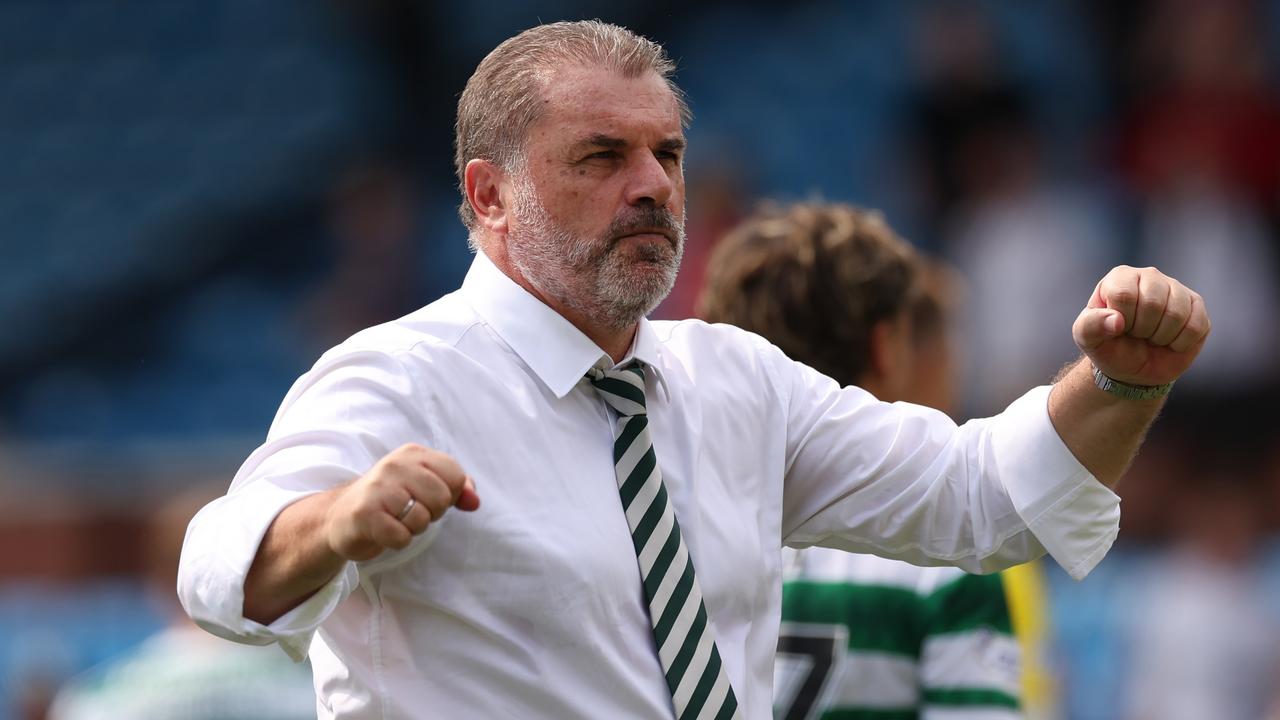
pixel 650 183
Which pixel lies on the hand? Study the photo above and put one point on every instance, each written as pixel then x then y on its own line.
pixel 363 521
pixel 1141 326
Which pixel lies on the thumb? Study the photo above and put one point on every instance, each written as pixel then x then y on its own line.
pixel 468 499
pixel 1095 325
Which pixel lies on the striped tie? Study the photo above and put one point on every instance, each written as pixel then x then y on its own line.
pixel 699 686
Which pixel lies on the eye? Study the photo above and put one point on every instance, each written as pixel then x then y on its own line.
pixel 668 156
pixel 604 155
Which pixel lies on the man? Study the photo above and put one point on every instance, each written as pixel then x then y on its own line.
pixel 863 636
pixel 337 533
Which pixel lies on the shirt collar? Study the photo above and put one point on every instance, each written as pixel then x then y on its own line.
pixel 647 350
pixel 557 352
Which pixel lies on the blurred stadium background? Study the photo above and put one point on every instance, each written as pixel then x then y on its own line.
pixel 197 198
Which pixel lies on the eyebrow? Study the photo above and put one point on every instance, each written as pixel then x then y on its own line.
pixel 675 144
pixel 613 143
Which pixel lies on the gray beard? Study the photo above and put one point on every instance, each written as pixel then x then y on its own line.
pixel 590 276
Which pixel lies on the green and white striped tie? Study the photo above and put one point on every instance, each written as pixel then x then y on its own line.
pixel 699 686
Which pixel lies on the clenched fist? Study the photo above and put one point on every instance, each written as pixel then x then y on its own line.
pixel 369 515
pixel 1141 326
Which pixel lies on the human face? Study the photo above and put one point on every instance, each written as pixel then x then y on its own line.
pixel 597 209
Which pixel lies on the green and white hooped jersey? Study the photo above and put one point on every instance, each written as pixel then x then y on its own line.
pixel 864 638
pixel 184 673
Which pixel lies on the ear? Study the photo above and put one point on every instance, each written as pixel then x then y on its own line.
pixel 483 183
pixel 880 351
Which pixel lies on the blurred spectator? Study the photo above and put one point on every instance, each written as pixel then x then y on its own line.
pixel 1014 217
pixel 995 210
pixel 184 673
pixel 1202 111
pixel 375 265
pixel 1201 148
pixel 1207 642
pixel 959 108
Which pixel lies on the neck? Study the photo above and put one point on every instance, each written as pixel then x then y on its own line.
pixel 614 341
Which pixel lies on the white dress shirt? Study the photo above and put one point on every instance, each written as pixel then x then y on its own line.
pixel 532 607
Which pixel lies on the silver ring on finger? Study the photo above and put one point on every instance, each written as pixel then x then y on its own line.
pixel 408 508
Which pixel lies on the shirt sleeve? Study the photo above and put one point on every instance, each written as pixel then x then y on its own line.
pixel 970 661
pixel 335 423
pixel 905 482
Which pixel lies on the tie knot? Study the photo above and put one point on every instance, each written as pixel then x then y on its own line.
pixel 622 389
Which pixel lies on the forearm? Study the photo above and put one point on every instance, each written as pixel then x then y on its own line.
pixel 293 561
pixel 1103 431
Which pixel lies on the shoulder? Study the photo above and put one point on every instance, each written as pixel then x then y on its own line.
pixel 428 337
pixel 729 348
pixel 699 333
pixel 394 359
pixel 734 372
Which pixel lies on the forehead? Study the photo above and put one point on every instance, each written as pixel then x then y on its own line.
pixel 580 100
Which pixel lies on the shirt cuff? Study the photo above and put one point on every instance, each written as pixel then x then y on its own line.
pixel 1075 517
pixel 221 543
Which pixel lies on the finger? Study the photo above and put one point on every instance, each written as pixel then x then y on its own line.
pixel 1196 328
pixel 431 491
pixel 389 532
pixel 1095 299
pixel 1095 325
pixel 1153 298
pixel 411 452
pixel 417 519
pixel 392 494
pixel 1119 291
pixel 441 465
pixel 1176 313
pixel 446 468
pixel 468 499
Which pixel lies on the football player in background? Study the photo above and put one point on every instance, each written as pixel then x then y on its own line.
pixel 835 288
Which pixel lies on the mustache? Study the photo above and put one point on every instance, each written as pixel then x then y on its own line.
pixel 658 220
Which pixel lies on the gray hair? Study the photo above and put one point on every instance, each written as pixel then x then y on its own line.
pixel 501 100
